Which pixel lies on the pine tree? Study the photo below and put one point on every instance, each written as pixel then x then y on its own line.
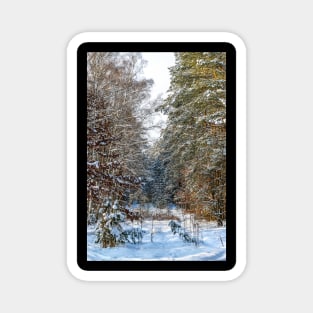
pixel 192 148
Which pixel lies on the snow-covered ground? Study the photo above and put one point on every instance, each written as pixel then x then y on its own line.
pixel 165 245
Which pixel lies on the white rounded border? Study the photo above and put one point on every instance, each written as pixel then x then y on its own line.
pixel 73 267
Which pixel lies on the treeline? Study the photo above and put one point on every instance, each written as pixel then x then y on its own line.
pixel 115 134
pixel 190 158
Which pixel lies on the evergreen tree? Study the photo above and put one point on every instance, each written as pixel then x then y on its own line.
pixel 193 144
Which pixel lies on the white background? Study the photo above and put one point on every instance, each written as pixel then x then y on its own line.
pixel 34 35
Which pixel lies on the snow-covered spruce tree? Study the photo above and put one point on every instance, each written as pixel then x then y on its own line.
pixel 113 229
pixel 195 138
pixel 115 136
pixel 109 229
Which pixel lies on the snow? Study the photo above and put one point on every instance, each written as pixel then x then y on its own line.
pixel 115 205
pixel 95 163
pixel 116 232
pixel 164 246
pixel 121 181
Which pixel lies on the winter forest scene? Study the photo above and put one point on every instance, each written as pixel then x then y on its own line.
pixel 156 156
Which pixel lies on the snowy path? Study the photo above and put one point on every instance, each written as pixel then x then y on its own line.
pixel 165 246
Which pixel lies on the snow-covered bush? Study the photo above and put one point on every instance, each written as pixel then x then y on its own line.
pixel 176 228
pixel 133 235
pixel 92 219
pixel 112 230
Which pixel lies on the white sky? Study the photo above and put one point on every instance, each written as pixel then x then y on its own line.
pixel 157 69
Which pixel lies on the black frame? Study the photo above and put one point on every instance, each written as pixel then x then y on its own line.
pixel 82 51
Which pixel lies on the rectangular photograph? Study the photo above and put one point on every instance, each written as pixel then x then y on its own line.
pixel 156 156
